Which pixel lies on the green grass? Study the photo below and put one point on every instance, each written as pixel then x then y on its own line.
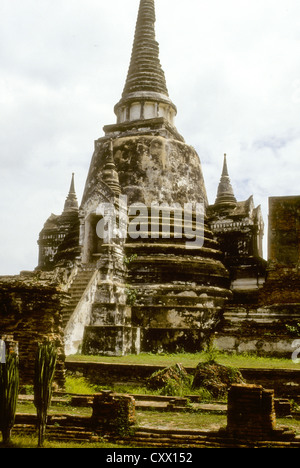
pixel 31 442
pixel 80 385
pixel 155 419
pixel 186 420
pixel 83 386
pixel 197 420
pixel 181 420
pixel 191 360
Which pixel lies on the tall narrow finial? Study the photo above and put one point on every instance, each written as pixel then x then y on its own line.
pixel 71 203
pixel 145 72
pixel 225 195
pixel 225 168
pixel 145 86
pixel 72 186
pixel 109 171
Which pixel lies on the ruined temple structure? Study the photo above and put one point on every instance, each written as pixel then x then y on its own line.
pixel 147 292
pixel 60 234
pixel 265 320
pixel 238 227
pixel 151 291
pixel 125 256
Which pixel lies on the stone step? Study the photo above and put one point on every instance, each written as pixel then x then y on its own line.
pixel 76 291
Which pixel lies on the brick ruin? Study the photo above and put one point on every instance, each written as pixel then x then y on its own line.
pixel 150 292
pixel 113 411
pixel 31 313
pixel 251 415
pixel 251 412
pixel 265 320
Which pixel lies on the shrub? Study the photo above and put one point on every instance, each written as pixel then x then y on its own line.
pixel 9 387
pixel 44 372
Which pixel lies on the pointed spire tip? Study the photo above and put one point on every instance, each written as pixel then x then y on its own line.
pixel 225 195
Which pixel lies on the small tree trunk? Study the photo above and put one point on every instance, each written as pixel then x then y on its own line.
pixel 41 434
pixel 6 435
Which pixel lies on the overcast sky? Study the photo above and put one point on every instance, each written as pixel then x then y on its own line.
pixel 232 69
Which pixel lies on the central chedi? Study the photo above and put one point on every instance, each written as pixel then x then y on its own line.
pixel 152 289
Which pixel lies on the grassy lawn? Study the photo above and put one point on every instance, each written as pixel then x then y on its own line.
pixel 191 360
pixel 152 419
pixel 181 420
pixel 31 442
pixel 196 420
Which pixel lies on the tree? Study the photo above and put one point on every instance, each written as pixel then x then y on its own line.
pixel 9 389
pixel 44 372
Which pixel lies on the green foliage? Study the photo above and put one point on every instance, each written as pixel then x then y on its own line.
pixel 172 381
pixel 123 427
pixel 175 388
pixel 27 441
pixel 26 390
pixel 249 360
pixel 44 372
pixel 131 296
pixel 9 388
pixel 128 260
pixel 80 385
pixel 211 352
pixel 293 329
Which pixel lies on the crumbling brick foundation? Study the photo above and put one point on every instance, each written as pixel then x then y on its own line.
pixel 30 313
pixel 251 412
pixel 113 412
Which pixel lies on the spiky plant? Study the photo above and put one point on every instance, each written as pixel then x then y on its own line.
pixel 9 388
pixel 44 372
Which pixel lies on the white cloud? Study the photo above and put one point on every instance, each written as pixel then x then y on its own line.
pixel 232 69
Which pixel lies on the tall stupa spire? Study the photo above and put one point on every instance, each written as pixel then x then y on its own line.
pixel 71 203
pixel 145 93
pixel 225 195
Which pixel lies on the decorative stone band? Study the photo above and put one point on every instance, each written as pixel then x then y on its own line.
pixel 144 105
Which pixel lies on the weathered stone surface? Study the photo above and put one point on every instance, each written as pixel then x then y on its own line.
pixel 216 378
pixel 169 286
pixel 175 376
pixel 111 340
pixel 284 232
pixel 251 412
pixel 151 168
pixel 154 288
pixel 113 412
pixel 262 322
pixel 31 311
pixel 59 239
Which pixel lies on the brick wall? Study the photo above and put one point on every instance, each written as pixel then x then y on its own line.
pixel 113 412
pixel 284 231
pixel 251 412
pixel 30 312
